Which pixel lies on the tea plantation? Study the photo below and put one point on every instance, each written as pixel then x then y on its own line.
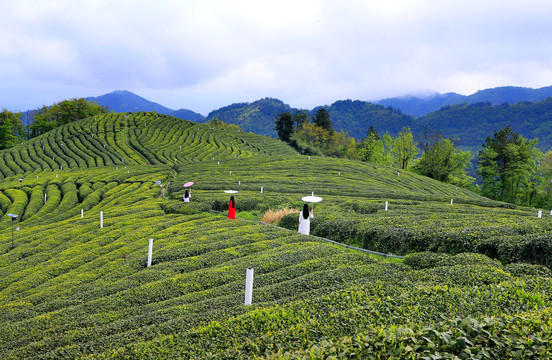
pixel 475 282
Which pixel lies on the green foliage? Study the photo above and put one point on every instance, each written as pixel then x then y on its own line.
pixel 63 113
pixel 508 167
pixel 523 270
pixel 11 129
pixel 424 260
pixel 441 160
pixel 69 289
pixel 322 119
pixel 284 126
pixel 404 148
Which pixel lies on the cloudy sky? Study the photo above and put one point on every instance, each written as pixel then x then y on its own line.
pixel 205 54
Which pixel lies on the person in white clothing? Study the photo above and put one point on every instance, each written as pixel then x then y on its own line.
pixel 187 195
pixel 304 220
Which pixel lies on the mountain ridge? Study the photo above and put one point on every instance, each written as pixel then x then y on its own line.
pixel 420 105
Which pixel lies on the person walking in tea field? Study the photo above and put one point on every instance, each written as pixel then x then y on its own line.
pixel 304 220
pixel 232 208
pixel 187 195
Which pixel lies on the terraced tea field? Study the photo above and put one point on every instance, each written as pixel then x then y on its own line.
pixel 72 289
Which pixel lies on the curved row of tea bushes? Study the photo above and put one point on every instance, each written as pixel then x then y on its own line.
pixel 388 311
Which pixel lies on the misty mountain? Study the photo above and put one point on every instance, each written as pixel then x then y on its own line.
pixel 422 105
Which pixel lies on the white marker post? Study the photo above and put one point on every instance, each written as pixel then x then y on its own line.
pixel 386 205
pixel 261 189
pixel 540 214
pixel 45 196
pixel 101 219
pixel 230 172
pixel 451 201
pixel 248 286
pixel 239 182
pixel 150 251
pixel 82 213
pixel 218 162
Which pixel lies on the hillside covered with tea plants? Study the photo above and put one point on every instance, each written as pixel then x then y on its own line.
pixel 475 281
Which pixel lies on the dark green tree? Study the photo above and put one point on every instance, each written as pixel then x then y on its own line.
pixel 283 124
pixel 507 166
pixel 300 117
pixel 323 120
pixel 372 132
pixel 62 113
pixel 11 129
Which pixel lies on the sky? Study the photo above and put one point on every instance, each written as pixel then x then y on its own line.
pixel 204 54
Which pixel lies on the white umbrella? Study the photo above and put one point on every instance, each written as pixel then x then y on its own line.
pixel 312 199
pixel 230 191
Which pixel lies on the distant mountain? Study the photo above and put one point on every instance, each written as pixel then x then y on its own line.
pixel 355 117
pixel 257 117
pixel 125 101
pixel 188 115
pixel 472 123
pixel 422 105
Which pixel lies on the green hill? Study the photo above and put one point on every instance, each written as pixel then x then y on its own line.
pixel 72 289
pixel 472 123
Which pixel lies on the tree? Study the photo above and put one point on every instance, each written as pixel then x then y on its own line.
pixel 507 166
pixel 404 148
pixel 441 160
pixel 544 189
pixel 322 119
pixel 371 148
pixel 283 124
pixel 48 118
pixel 11 129
pixel 300 117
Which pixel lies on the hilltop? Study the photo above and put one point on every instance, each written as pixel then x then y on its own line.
pixel 70 288
pixel 121 101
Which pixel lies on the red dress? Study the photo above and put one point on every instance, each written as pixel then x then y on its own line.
pixel 231 211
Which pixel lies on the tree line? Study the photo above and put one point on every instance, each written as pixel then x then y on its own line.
pixel 47 118
pixel 510 168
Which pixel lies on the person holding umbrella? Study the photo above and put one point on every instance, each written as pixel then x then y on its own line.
pixel 232 208
pixel 304 220
pixel 187 195
pixel 188 192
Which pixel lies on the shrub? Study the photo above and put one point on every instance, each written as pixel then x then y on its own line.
pixel 361 208
pixel 469 259
pixel 424 260
pixel 523 269
pixel 538 250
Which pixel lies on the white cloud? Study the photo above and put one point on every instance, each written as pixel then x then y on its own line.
pixel 210 53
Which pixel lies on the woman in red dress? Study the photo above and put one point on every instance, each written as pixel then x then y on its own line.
pixel 232 208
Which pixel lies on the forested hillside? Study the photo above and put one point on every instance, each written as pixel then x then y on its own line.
pixel 472 123
pixel 76 280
